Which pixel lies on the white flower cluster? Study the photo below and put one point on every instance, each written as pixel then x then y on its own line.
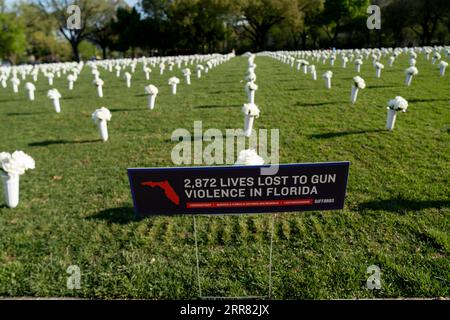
pixel 16 163
pixel 328 74
pixel 98 82
pixel 174 80
pixel 251 86
pixel 53 94
pixel 101 114
pixel 443 64
pixel 359 82
pixel 398 104
pixel 249 157
pixel 251 109
pixel 151 90
pixel 379 65
pixel 412 71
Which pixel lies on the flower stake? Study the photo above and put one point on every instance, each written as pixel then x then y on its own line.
pixel 174 81
pixel 358 83
pixel 99 84
pixel 152 92
pixel 378 67
pixel 187 75
pixel 312 70
pixel 442 66
pixel 31 88
pixel 199 70
pixel 358 64
pixel 251 112
pixel 250 88
pixel 55 96
pixel 100 117
pixel 128 79
pixel 11 167
pixel 71 79
pixel 397 104
pixel 147 72
pixel 15 83
pixel 327 76
pixel 410 73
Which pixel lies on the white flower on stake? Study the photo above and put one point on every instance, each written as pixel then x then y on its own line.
pixel 312 70
pixel 71 78
pixel 11 167
pixel 344 62
pixel 55 96
pixel 147 72
pixel 442 66
pixel 152 92
pixel 249 157
pixel 128 79
pixel 162 66
pixel 358 64
pixel 118 69
pixel 174 81
pixel 327 76
pixel 410 73
pixel 30 88
pixel 391 61
pixel 100 117
pixel 251 111
pixel 50 77
pixel 99 84
pixel 436 57
pixel 187 75
pixel 250 88
pixel 332 60
pixel 15 83
pixel 378 67
pixel 395 105
pixel 358 83
pixel 199 68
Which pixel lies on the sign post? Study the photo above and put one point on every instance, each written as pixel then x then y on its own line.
pixel 238 190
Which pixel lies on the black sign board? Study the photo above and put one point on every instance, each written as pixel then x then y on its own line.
pixel 238 189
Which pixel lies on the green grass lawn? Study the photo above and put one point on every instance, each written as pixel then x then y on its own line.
pixel 76 208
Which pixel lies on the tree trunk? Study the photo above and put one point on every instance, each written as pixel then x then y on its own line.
pixel 75 52
pixel 104 52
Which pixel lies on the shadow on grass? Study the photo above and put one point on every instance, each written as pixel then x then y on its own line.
pixel 427 100
pixel 120 215
pixel 382 86
pixel 13 114
pixel 51 142
pixel 329 135
pixel 299 104
pixel 211 106
pixel 123 109
pixel 402 205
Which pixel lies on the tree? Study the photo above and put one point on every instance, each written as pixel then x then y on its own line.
pixel 301 21
pixel 12 36
pixel 199 24
pixel 338 13
pixel 102 30
pixel 127 28
pixel 427 15
pixel 40 33
pixel 258 17
pixel 89 12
